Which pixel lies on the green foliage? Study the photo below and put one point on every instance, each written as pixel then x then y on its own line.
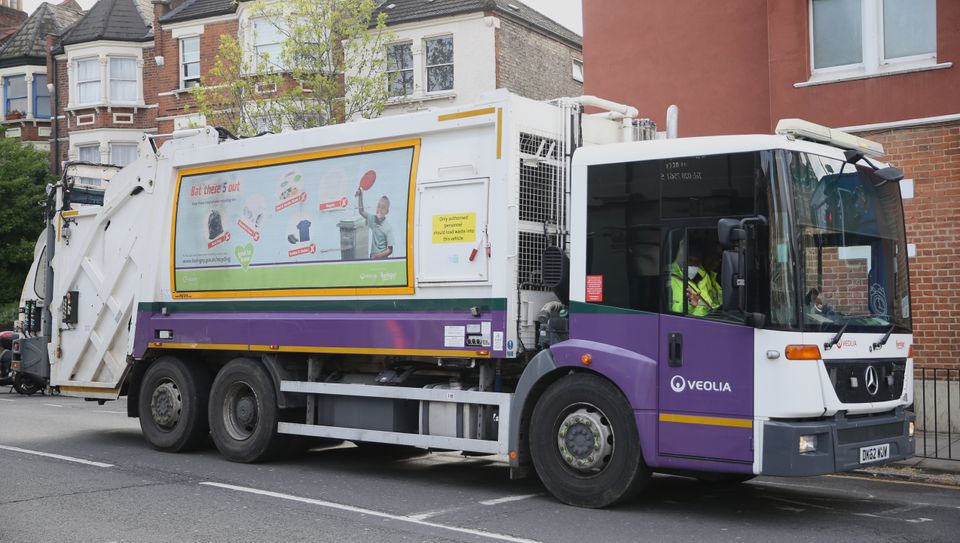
pixel 24 172
pixel 330 68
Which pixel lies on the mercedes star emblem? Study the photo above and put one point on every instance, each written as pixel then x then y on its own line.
pixel 871 380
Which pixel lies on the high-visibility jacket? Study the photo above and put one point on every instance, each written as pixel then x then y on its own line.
pixel 702 284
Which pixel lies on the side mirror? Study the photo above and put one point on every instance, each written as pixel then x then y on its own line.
pixel 889 174
pixel 729 232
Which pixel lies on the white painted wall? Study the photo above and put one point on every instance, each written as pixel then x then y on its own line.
pixel 474 60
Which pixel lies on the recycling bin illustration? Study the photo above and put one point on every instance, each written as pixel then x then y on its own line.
pixel 354 239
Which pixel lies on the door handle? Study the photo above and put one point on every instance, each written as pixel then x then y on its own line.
pixel 675 350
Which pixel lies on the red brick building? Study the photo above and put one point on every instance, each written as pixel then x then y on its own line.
pixel 884 69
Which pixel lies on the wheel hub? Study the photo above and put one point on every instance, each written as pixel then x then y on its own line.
pixel 166 405
pixel 241 411
pixel 585 440
pixel 246 410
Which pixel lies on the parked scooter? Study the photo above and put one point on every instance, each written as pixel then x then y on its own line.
pixel 21 383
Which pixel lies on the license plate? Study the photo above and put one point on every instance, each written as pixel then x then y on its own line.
pixel 875 453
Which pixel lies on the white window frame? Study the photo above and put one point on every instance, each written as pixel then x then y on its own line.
pixel 113 144
pixel 276 63
pixel 412 69
pixel 921 58
pixel 92 181
pixel 183 78
pixel 872 47
pixel 78 82
pixel 427 65
pixel 577 74
pixel 110 79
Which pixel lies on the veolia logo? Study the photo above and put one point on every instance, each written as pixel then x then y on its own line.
pixel 679 384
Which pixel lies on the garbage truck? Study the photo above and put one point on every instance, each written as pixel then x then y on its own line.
pixel 553 282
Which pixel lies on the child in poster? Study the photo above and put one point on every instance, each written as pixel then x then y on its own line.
pixel 382 232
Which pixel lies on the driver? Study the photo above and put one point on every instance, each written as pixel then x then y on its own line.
pixel 700 299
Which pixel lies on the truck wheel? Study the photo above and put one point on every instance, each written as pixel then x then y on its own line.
pixel 173 405
pixel 244 413
pixel 585 444
pixel 26 385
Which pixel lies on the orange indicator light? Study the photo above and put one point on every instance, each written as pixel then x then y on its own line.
pixel 803 352
pixel 586 359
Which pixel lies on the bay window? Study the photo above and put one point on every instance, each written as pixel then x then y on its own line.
pixel 122 154
pixel 41 97
pixel 123 79
pixel 88 81
pixel 15 95
pixel 267 44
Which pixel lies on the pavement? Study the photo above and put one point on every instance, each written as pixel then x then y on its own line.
pixel 940 463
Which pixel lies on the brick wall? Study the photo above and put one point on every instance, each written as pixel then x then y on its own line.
pixel 930 155
pixel 11 18
pixel 167 77
pixel 533 65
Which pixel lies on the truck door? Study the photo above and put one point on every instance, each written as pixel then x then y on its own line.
pixel 706 358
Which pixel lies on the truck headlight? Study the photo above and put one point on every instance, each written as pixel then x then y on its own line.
pixel 911 428
pixel 808 444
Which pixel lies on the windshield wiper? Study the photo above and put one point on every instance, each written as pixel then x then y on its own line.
pixel 836 339
pixel 883 340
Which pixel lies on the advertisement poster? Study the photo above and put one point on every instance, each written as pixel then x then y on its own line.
pixel 307 223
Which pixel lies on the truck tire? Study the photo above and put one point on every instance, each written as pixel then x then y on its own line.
pixel 173 405
pixel 27 386
pixel 244 413
pixel 585 444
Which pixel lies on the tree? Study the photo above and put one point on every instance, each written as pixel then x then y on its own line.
pixel 24 173
pixel 328 67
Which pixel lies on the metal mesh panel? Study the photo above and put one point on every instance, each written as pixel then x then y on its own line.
pixel 543 203
pixel 531 255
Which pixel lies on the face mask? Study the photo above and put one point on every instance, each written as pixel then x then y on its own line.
pixel 692 271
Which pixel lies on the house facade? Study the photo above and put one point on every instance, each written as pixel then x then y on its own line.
pixel 883 69
pixel 448 52
pixel 126 67
pixel 23 73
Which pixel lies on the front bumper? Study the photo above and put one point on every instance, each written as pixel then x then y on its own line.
pixel 839 440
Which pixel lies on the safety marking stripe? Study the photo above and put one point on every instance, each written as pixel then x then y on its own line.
pixel 93 390
pixel 707 421
pixel 465 114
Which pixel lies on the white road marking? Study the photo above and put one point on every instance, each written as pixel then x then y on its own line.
pixel 427 514
pixel 507 499
pixel 6 400
pixel 371 512
pixel 792 509
pixel 919 520
pixel 57 456
pixel 114 412
pixel 52 405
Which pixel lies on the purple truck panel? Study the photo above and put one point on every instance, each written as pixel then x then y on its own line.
pixel 401 330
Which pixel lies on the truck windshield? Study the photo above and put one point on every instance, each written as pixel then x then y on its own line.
pixel 852 253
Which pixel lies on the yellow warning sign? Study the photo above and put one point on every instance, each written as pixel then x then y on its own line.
pixel 455 228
